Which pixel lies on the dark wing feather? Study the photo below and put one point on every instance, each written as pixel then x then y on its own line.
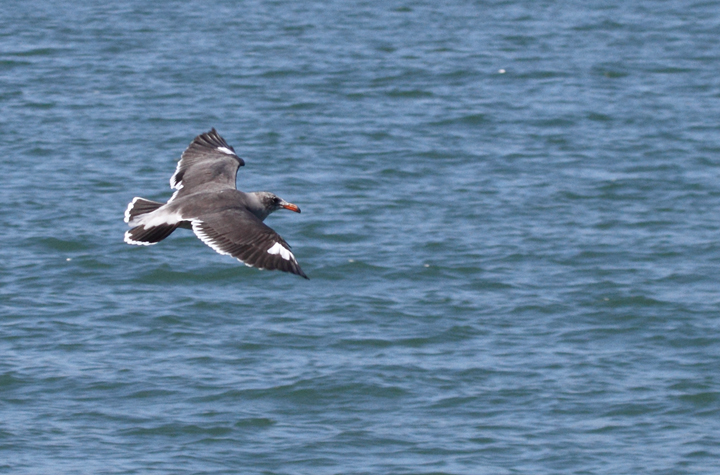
pixel 209 163
pixel 238 233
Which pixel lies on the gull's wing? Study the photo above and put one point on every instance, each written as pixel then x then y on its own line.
pixel 209 163
pixel 238 233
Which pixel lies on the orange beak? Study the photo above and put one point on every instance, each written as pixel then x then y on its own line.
pixel 291 207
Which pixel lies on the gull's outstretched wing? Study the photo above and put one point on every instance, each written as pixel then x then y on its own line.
pixel 238 233
pixel 209 163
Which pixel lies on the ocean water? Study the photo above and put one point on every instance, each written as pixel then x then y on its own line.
pixel 510 224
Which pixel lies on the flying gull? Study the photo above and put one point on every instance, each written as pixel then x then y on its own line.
pixel 208 202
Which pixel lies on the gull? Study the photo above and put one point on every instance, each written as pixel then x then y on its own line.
pixel 207 201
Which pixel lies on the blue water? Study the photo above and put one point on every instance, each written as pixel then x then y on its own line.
pixel 510 224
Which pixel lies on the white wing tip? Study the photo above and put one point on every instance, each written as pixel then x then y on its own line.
pixel 226 150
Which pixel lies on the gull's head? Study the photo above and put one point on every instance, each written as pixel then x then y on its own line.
pixel 270 203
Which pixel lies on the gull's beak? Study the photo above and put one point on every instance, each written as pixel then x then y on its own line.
pixel 290 206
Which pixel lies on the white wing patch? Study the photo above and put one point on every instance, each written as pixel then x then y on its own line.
pixel 156 218
pixel 284 253
pixel 152 219
pixel 226 150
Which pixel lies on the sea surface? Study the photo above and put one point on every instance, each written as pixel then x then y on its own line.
pixel 510 221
